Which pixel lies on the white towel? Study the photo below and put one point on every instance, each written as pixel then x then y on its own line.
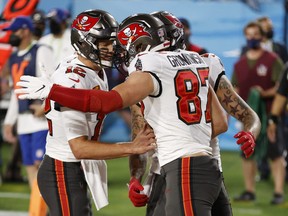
pixel 96 177
pixel 149 180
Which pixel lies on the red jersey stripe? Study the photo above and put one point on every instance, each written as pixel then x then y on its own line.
pixel 60 176
pixel 186 192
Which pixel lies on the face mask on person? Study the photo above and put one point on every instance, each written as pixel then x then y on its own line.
pixel 254 43
pixel 14 40
pixel 55 27
pixel 270 34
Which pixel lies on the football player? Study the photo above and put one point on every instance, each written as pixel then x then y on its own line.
pixel 65 174
pixel 174 89
pixel 156 201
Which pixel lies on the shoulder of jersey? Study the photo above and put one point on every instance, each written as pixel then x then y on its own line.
pixel 69 75
pixel 211 58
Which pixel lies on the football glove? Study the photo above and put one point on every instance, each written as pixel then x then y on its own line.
pixel 135 196
pixel 247 142
pixel 33 87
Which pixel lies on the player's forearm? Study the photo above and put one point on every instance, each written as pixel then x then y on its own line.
pixel 86 100
pixel 237 107
pixel 137 163
pixel 219 118
pixel 87 149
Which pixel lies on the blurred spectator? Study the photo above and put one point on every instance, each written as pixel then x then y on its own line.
pixel 278 105
pixel 59 36
pixel 267 41
pixel 255 77
pixel 38 18
pixel 187 33
pixel 28 59
pixel 277 109
pixel 269 44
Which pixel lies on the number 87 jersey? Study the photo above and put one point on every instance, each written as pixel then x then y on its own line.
pixel 178 109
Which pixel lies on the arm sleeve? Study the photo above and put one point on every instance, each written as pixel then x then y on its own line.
pixel 12 112
pixel 86 100
pixel 283 87
pixel 44 59
pixel 277 69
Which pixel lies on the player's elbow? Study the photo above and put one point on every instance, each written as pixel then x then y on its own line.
pixel 223 128
pixel 76 149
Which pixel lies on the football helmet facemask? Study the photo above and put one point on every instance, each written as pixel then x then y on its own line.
pixel 88 29
pixel 141 32
pixel 174 29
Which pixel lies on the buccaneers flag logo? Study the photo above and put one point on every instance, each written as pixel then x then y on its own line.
pixel 174 20
pixel 84 22
pixel 132 32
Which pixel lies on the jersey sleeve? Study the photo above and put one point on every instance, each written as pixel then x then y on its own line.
pixel 65 76
pixel 146 62
pixel 277 69
pixel 216 69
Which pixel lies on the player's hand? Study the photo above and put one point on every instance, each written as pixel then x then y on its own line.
pixel 135 196
pixel 247 142
pixel 33 87
pixel 144 141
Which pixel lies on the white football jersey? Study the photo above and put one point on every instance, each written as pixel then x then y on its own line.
pixel 177 111
pixel 66 124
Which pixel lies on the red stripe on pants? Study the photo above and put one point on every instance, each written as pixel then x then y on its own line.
pixel 62 188
pixel 186 194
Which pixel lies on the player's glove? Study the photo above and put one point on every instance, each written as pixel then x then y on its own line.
pixel 247 142
pixel 135 196
pixel 33 87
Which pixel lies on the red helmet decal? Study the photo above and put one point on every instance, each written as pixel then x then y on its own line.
pixel 84 22
pixel 132 32
pixel 174 20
